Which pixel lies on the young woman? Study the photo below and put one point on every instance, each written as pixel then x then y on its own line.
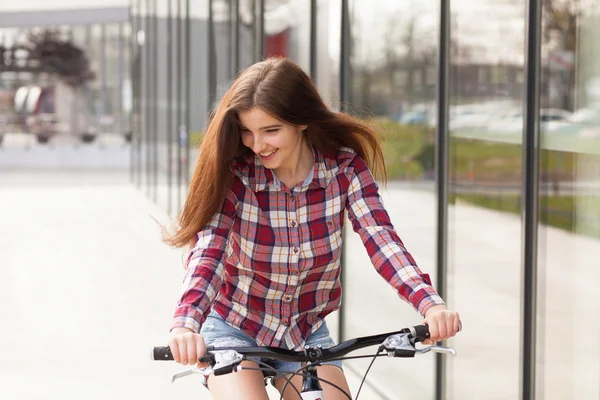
pixel 264 218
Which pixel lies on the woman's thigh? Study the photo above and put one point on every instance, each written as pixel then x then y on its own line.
pixel 330 373
pixel 243 385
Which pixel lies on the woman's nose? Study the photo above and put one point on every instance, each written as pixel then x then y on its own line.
pixel 257 144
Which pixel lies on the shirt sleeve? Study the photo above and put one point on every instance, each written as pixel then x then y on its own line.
pixel 387 252
pixel 205 269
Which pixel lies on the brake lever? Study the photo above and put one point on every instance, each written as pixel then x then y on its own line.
pixel 403 345
pixel 195 370
pixel 437 349
pixel 222 362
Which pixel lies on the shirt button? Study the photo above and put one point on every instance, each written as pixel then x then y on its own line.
pixel 295 250
pixel 287 298
pixel 293 223
pixel 292 198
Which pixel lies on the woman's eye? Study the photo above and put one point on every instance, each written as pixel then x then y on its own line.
pixel 272 130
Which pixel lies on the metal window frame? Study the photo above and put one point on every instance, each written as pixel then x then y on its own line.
pixel 133 22
pixel 146 130
pixel 344 87
pixel 313 40
pixel 441 176
pixel 170 131
pixel 530 198
pixel 235 8
pixel 212 59
pixel 261 30
pixel 188 93
pixel 155 104
pixel 179 102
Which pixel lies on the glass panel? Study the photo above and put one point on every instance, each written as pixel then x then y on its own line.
pixel 569 367
pixel 328 51
pixel 287 30
pixel 199 104
pixel 164 166
pixel 248 33
pixel 392 49
pixel 183 133
pixel 138 82
pixel 222 28
pixel 484 249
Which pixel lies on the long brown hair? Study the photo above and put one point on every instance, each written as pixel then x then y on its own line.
pixel 279 87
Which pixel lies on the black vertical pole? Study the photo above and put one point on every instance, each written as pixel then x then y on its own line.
pixel 171 133
pixel 530 190
pixel 442 150
pixel 120 78
pixel 212 60
pixel 148 117
pixel 133 12
pixel 236 36
pixel 155 102
pixel 313 40
pixel 261 30
pixel 179 87
pixel 344 70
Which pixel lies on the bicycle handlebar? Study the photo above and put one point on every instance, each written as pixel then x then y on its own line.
pixel 392 342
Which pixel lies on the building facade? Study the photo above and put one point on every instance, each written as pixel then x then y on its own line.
pixel 489 115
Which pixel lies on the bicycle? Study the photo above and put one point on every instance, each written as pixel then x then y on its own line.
pixel 227 360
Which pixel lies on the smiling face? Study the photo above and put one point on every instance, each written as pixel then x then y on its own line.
pixel 279 145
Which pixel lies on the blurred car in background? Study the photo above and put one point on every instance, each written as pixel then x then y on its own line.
pixel 48 111
pixel 35 111
pixel 512 121
pixel 584 122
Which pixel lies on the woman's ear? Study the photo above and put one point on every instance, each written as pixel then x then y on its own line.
pixel 302 127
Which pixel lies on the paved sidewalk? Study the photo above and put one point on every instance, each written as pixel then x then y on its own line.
pixel 86 289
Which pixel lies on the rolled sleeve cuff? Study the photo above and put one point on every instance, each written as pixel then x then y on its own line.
pixel 191 319
pixel 426 298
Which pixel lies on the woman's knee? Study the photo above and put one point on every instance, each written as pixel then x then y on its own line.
pixel 245 384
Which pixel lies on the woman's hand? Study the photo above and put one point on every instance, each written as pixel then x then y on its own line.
pixel 443 324
pixel 186 346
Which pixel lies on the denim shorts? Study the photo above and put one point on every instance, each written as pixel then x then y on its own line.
pixel 217 332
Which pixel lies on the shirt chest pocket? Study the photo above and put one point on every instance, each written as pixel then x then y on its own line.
pixel 324 239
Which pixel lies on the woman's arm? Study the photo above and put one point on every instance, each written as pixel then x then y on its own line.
pixel 387 252
pixel 205 268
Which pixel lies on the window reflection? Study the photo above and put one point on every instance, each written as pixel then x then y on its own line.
pixel 484 225
pixel 569 200
pixel 392 85
pixel 327 76
pixel 287 30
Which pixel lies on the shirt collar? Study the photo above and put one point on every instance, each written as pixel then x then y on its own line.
pixel 254 175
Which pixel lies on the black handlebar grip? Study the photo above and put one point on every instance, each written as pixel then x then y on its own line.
pixel 421 333
pixel 162 353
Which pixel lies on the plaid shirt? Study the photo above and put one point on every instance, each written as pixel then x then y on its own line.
pixel 269 260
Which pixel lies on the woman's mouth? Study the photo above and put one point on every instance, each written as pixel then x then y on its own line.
pixel 267 155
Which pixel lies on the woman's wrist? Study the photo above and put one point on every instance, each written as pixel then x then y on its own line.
pixel 181 329
pixel 435 309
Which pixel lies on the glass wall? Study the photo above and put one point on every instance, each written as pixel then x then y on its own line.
pixel 287 30
pixel 384 69
pixel 328 47
pixel 484 227
pixel 569 201
pixel 164 125
pixel 391 84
